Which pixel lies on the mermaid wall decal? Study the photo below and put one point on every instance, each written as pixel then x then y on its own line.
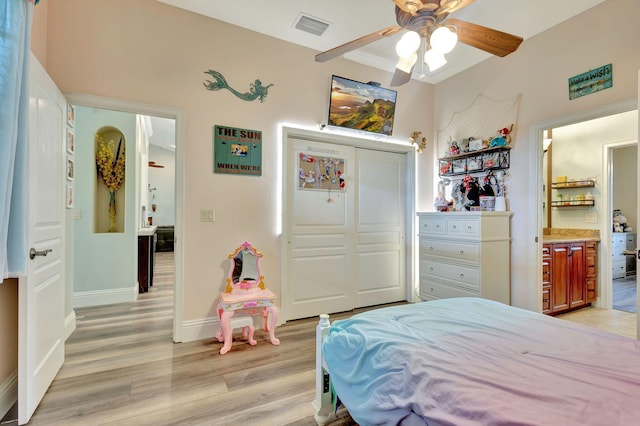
pixel 256 89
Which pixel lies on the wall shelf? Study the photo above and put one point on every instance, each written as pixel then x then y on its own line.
pixel 587 183
pixel 497 158
pixel 574 203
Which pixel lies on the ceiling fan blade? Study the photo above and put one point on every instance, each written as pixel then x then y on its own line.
pixel 487 39
pixel 400 77
pixel 451 6
pixel 357 43
pixel 404 68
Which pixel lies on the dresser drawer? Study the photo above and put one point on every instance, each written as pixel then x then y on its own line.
pixel 434 226
pixel 433 290
pixel 452 250
pixel 631 241
pixel 463 227
pixel 465 276
pixel 619 240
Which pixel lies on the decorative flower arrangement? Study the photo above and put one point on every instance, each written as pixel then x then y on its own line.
pixel 110 164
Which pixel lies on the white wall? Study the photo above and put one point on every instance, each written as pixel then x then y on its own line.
pixel 577 154
pixel 163 179
pixel 145 62
pixel 539 71
pixel 105 264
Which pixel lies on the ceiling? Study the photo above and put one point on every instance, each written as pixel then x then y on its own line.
pixel 163 133
pixel 352 19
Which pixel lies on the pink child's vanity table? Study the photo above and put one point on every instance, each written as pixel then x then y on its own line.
pixel 245 295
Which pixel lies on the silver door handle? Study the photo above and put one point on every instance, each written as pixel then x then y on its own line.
pixel 33 253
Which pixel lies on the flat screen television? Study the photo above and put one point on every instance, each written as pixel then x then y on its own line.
pixel 361 106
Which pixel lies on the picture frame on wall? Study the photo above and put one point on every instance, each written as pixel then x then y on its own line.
pixel 69 197
pixel 70 169
pixel 71 141
pixel 71 115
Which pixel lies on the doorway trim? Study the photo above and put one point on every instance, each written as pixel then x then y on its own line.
pixel 535 187
pixel 288 131
pixel 606 234
pixel 177 115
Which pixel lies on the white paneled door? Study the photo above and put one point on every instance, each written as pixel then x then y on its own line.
pixel 381 182
pixel 344 248
pixel 41 293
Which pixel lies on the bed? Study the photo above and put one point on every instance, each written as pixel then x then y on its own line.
pixel 471 361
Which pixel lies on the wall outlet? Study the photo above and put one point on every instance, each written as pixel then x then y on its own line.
pixel 591 218
pixel 207 215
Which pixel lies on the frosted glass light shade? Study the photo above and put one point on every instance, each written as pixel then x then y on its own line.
pixel 406 64
pixel 434 59
pixel 408 44
pixel 443 40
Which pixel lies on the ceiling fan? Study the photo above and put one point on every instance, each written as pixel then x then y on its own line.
pixel 426 20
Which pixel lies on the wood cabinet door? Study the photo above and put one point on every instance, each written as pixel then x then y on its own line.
pixel 577 275
pixel 591 267
pixel 546 279
pixel 560 277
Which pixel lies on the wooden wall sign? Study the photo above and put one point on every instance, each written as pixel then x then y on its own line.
pixel 237 151
pixel 590 82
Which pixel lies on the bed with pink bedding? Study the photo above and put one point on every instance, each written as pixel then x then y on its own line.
pixel 471 361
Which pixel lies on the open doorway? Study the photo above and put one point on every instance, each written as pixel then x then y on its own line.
pixel 624 189
pixel 166 152
pixel 591 133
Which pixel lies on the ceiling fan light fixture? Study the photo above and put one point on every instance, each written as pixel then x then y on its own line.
pixel 408 44
pixel 412 6
pixel 443 39
pixel 434 59
pixel 406 64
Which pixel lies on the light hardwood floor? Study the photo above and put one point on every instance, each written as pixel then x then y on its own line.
pixel 122 368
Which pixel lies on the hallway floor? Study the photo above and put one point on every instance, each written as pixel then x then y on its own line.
pixel 624 294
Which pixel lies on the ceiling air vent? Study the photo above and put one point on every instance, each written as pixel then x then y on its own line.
pixel 310 24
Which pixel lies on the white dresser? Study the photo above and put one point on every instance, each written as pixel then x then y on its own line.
pixel 465 254
pixel 621 264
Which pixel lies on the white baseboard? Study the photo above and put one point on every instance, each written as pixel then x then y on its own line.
pixel 8 393
pixel 104 297
pixel 199 329
pixel 69 324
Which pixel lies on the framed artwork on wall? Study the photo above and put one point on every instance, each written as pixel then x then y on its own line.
pixel 71 141
pixel 70 168
pixel 71 115
pixel 69 198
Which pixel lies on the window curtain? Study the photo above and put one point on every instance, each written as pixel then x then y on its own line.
pixel 15 36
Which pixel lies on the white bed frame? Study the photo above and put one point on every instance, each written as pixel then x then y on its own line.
pixel 322 405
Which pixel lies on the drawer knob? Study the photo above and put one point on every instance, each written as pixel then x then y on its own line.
pixel 455 227
pixel 461 252
pixel 431 248
pixel 461 275
pixel 431 268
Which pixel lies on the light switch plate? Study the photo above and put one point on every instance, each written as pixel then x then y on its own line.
pixel 207 215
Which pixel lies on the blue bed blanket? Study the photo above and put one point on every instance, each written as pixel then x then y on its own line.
pixel 469 361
